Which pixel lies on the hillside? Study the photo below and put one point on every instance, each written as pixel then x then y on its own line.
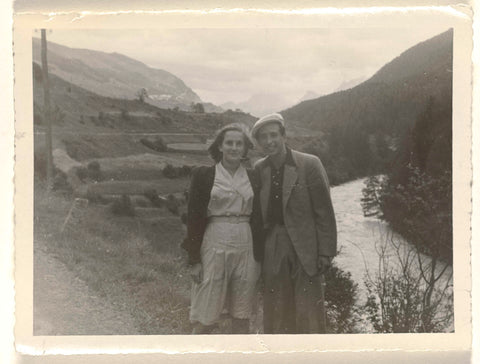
pixel 82 109
pixel 389 99
pixel 363 126
pixel 115 75
pixel 102 126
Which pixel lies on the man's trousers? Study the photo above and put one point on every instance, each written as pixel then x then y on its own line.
pixel 293 301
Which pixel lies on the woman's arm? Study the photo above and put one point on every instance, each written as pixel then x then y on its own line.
pixel 196 216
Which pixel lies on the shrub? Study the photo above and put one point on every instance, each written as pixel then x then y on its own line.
pixel 125 115
pixel 94 171
pixel 172 204
pixel 185 171
pixel 403 296
pixel 123 206
pixel 60 182
pixel 170 171
pixel 152 195
pixel 340 296
pixel 95 197
pixel 81 172
pixel 158 145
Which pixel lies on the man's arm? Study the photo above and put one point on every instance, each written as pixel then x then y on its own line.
pixel 324 215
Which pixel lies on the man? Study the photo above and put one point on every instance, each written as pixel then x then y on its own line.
pixel 300 227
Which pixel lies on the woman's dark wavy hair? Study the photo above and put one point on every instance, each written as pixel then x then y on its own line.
pixel 220 135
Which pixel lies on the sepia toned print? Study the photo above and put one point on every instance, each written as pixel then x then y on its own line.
pixel 121 120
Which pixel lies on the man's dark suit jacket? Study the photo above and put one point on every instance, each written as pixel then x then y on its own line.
pixel 199 196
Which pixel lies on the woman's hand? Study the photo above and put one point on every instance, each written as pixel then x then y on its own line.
pixel 196 272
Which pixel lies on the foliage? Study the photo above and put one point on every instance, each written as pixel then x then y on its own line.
pixel 400 297
pixel 197 107
pixel 60 182
pixel 421 210
pixel 125 115
pixel 340 297
pixel 158 145
pixel 94 172
pixel 141 95
pixel 95 198
pixel 91 172
pixel 372 194
pixel 123 206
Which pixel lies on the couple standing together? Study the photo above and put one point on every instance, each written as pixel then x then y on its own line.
pixel 276 220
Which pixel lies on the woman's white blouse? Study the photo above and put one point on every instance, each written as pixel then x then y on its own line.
pixel 230 195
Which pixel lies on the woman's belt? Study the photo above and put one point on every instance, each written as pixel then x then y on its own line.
pixel 233 219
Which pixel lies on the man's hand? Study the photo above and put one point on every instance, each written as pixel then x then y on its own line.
pixel 196 272
pixel 324 263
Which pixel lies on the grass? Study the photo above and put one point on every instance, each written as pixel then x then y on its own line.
pixel 133 260
pixel 162 186
pixel 146 166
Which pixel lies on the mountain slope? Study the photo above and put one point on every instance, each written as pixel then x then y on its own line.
pixel 363 127
pixel 389 100
pixel 115 75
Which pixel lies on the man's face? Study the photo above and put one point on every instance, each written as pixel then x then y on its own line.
pixel 270 139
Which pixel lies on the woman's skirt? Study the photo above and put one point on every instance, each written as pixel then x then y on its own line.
pixel 230 273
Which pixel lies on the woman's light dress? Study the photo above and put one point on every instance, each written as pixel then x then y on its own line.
pixel 230 271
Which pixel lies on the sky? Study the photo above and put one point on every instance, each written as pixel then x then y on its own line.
pixel 223 65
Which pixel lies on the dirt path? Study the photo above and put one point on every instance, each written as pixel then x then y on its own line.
pixel 64 305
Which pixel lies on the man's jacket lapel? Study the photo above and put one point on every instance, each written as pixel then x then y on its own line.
pixel 265 191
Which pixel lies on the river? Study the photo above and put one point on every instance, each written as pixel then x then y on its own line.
pixel 358 237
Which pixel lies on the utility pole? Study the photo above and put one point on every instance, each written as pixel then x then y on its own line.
pixel 46 112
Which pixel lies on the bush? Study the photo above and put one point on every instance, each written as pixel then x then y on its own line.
pixel 403 296
pixel 125 115
pixel 94 171
pixel 158 145
pixel 185 171
pixel 152 195
pixel 170 171
pixel 172 204
pixel 123 207
pixel 81 172
pixel 60 182
pixel 94 197
pixel 340 296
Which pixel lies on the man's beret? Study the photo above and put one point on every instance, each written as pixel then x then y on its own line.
pixel 267 119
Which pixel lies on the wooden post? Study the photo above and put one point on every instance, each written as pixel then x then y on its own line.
pixel 46 112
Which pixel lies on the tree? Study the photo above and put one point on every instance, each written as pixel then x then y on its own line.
pixel 402 297
pixel 421 210
pixel 197 107
pixel 142 94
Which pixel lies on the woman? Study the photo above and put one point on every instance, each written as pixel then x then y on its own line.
pixel 223 222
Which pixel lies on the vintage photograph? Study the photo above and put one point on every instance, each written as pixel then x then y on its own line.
pixel 242 181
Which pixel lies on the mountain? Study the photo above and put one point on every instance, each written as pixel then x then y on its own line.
pixel 309 95
pixel 259 104
pixel 392 98
pixel 364 125
pixel 349 84
pixel 115 75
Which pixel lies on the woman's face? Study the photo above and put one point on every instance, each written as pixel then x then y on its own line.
pixel 233 146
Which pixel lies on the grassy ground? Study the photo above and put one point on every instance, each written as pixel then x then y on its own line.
pixel 135 260
pixel 162 186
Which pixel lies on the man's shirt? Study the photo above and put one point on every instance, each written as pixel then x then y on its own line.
pixel 275 203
